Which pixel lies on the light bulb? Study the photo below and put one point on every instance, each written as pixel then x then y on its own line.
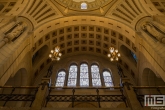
pixel 50 55
pixel 116 50
pixel 58 58
pixel 111 49
pixel 57 49
pixel 60 54
pixel 116 58
pixel 111 59
pixel 51 51
pixel 118 54
pixel 109 55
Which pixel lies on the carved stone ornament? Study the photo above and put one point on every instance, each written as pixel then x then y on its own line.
pixel 155 30
pixel 13 34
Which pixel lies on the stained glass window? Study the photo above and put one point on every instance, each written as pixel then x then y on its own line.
pixel 84 77
pixel 72 78
pixel 95 75
pixel 83 6
pixel 134 56
pixel 107 79
pixel 60 79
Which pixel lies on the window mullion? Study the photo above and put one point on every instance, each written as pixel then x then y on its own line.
pixel 78 75
pixel 66 77
pixel 90 76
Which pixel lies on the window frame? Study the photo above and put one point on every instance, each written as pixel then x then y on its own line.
pixel 110 76
pixel 73 64
pixel 84 78
pixel 58 77
pixel 94 64
pixel 84 6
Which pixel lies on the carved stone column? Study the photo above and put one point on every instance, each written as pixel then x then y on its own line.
pixel 132 101
pixel 41 95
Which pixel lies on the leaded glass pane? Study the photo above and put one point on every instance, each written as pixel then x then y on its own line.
pixel 134 56
pixel 60 79
pixel 83 6
pixel 95 75
pixel 72 79
pixel 84 77
pixel 107 79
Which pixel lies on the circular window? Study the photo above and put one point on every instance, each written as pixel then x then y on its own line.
pixel 83 6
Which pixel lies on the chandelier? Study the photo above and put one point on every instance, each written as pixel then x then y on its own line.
pixel 114 54
pixel 55 54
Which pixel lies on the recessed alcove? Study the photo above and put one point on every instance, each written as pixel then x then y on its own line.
pixel 40 54
pixel 150 79
pixel 19 79
pixel 127 55
pixel 1 6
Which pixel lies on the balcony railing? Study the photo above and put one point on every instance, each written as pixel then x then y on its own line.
pixel 99 94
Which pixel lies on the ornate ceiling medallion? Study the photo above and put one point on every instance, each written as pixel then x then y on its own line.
pixel 84 0
pixel 89 5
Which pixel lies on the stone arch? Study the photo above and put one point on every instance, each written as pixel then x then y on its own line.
pixel 19 79
pixel 150 79
pixel 72 63
pixel 95 63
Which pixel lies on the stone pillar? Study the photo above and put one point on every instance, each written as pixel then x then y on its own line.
pixel 132 101
pixel 66 77
pixel 90 76
pixel 41 95
pixel 78 76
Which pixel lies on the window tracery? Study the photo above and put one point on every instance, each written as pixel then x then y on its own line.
pixel 107 79
pixel 83 5
pixel 84 77
pixel 95 75
pixel 60 79
pixel 72 78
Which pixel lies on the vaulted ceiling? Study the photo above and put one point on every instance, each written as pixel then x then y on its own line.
pixel 91 31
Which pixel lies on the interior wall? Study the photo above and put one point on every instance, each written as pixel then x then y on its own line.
pixel 22 77
pixel 19 79
pixel 64 64
pixel 150 79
